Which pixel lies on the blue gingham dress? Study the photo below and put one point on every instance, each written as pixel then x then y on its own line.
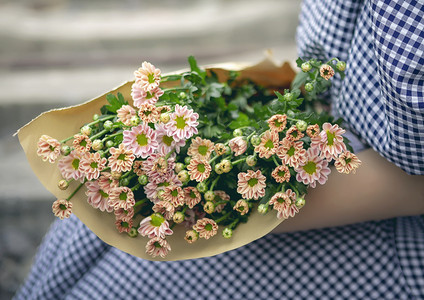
pixel 382 101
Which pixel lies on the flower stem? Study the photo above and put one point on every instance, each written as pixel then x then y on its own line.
pixel 177 88
pixel 238 161
pixel 234 224
pixel 100 119
pixel 214 183
pixel 214 158
pixel 112 135
pixel 275 161
pixel 223 217
pixel 67 139
pixel 75 191
pixel 99 134
pixel 134 188
pixel 140 202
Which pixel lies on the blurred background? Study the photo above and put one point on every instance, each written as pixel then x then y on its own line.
pixel 55 53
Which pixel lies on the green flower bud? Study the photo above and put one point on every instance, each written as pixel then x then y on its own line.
pixel 202 187
pixel 301 125
pixel 182 95
pixel 165 117
pixel 309 87
pixel 300 202
pixel 143 179
pixel 135 120
pixel 341 66
pixel 124 182
pixel 227 233
pixel 178 217
pixel 183 176
pixel 187 160
pixel 226 165
pixel 179 167
pixel 96 117
pixel 306 67
pixel 86 130
pixel 159 194
pixel 263 208
pixel 290 114
pixel 209 207
pixel 238 132
pixel 255 140
pixel 133 232
pixel 97 145
pixel 251 160
pixel 218 169
pixel 108 125
pixel 109 144
pixel 63 184
pixel 209 195
pixel 288 96
pixel 65 150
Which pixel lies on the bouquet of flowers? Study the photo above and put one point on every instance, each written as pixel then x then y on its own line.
pixel 189 155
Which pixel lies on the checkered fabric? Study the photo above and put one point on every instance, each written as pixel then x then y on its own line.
pixel 382 96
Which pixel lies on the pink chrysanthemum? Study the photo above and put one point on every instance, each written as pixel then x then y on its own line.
pixel 69 166
pixel 124 225
pixel 121 197
pixel 281 174
pixel 330 141
pixel 157 166
pixel 326 71
pixel 314 169
pixel 62 208
pixel 123 214
pixel 165 208
pixel 284 203
pixel 81 143
pixel 251 185
pixel 238 145
pixel 148 113
pixel 97 197
pixel 242 207
pixel 294 134
pixel 206 228
pixel 199 169
pixel 201 148
pixel 347 162
pixel 106 182
pixel 174 194
pixel 125 113
pixel 220 149
pixel 121 159
pixel 48 148
pixel 313 131
pixel 277 122
pixel 220 196
pixel 157 247
pixel 151 189
pixel 291 152
pixel 191 196
pixel 268 145
pixel 147 77
pixel 167 142
pixel 154 226
pixel 183 123
pixel 92 164
pixel 138 167
pixel 141 96
pixel 141 140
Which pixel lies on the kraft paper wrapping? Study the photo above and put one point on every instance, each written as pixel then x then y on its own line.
pixel 64 122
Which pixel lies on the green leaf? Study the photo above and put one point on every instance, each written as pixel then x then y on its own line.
pixel 241 121
pixel 195 68
pixel 299 80
pixel 115 103
pixel 299 62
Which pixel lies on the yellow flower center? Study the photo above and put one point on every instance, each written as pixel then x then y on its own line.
pixel 310 167
pixel 269 144
pixel 156 220
pixel 123 196
pixel 203 149
pixel 201 168
pixel 252 182
pixel 174 193
pixel 142 139
pixel 122 157
pixel 192 195
pixel 280 200
pixel 94 165
pixel 291 151
pixel 103 194
pixel 330 138
pixel 281 173
pixel 208 227
pixel 151 78
pixel 75 163
pixel 167 140
pixel 62 207
pixel 181 122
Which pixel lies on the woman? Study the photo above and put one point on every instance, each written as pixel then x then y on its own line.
pixel 382 101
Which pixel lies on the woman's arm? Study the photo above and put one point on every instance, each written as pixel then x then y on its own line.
pixel 378 190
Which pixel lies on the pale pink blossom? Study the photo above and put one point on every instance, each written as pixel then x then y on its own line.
pixel 141 96
pixel 48 148
pixel 141 140
pixel 277 122
pixel 201 148
pixel 183 123
pixel 151 189
pixel 121 159
pixel 291 152
pixel 220 196
pixel 154 226
pixel 191 196
pixel 138 167
pixel 165 208
pixel 251 185
pixel 284 204
pixel 281 174
pixel 81 143
pixel 314 169
pixel 174 194
pixel 326 71
pixel 106 182
pixel 69 166
pixel 238 145
pixel 97 197
pixel 124 225
pixel 121 197
pixel 157 247
pixel 166 142
pixel 147 77
pixel 294 134
pixel 125 113
pixel 62 208
pixel 148 113
pixel 206 228
pixel 347 162
pixel 242 207
pixel 199 169
pixel 157 166
pixel 123 214
pixel 313 130
pixel 330 141
pixel 92 164
pixel 268 145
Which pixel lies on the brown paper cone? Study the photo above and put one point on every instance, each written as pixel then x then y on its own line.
pixel 62 123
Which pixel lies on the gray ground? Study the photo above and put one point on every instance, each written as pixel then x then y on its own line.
pixel 55 53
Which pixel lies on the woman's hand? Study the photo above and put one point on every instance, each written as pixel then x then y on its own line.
pixel 378 190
